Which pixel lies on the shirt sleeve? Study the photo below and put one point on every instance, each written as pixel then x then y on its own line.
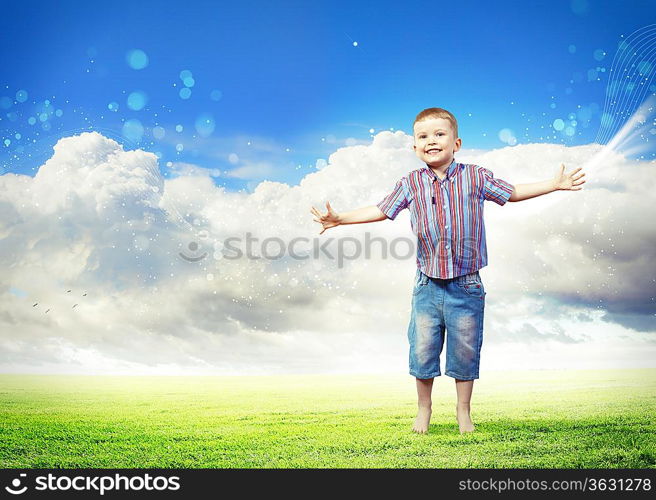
pixel 496 190
pixel 394 202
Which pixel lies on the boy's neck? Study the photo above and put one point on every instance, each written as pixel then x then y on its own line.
pixel 441 170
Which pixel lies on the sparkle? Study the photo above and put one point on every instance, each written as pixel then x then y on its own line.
pixel 137 100
pixel 136 59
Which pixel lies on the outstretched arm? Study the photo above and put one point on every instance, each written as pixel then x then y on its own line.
pixel 358 216
pixel 562 181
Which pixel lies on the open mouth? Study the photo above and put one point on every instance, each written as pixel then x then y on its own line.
pixel 433 151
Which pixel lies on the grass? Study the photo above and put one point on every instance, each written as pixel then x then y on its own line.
pixel 537 419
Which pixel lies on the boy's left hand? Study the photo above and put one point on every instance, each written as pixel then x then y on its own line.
pixel 568 181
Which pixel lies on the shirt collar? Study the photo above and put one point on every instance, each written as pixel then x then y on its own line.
pixel 450 171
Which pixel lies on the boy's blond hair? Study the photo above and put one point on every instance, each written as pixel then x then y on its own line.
pixel 437 113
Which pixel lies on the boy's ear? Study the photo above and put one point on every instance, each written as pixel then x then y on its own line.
pixel 458 144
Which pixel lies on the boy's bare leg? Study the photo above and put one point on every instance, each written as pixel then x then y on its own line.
pixel 424 389
pixel 464 391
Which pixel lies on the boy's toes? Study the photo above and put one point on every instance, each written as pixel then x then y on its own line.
pixel 422 421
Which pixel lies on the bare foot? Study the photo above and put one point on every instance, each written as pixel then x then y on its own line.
pixel 422 420
pixel 464 420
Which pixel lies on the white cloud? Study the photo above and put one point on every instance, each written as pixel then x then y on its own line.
pixel 182 169
pixel 570 274
pixel 251 171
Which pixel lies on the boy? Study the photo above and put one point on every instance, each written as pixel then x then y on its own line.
pixel 445 199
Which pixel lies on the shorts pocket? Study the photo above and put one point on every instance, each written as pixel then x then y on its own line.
pixel 421 280
pixel 473 287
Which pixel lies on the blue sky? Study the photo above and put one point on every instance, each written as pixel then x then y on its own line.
pixel 294 81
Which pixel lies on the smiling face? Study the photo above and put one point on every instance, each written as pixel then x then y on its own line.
pixel 435 142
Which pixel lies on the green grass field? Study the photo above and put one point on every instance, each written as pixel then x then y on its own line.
pixel 543 419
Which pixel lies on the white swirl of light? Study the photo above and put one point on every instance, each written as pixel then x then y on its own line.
pixel 635 56
pixel 630 101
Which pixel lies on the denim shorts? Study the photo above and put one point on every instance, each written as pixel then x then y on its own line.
pixel 452 306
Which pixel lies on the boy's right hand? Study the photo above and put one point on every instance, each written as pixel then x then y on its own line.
pixel 327 220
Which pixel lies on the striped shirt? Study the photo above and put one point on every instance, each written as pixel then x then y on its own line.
pixel 447 216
